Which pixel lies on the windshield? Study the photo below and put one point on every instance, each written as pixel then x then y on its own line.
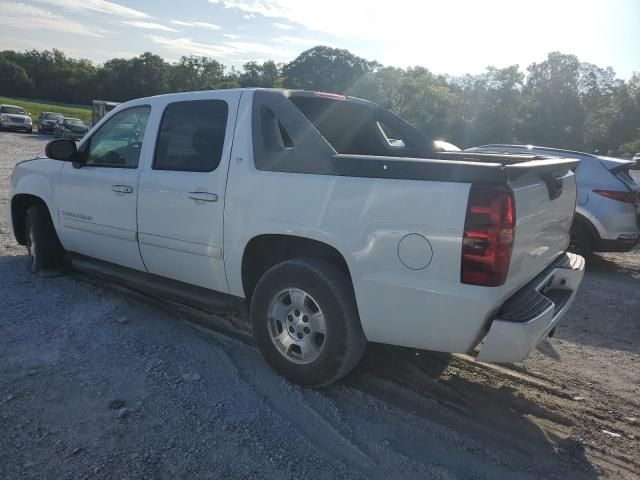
pixel 73 122
pixel 14 110
pixel 51 116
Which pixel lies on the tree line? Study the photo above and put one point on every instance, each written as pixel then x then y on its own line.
pixel 558 102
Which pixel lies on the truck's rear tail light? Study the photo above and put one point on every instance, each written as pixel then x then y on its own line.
pixel 487 241
pixel 626 197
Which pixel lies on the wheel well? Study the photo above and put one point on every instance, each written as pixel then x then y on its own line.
pixel 265 251
pixel 20 203
pixel 583 221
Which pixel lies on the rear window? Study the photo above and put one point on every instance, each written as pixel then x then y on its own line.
pixel 351 127
pixel 191 136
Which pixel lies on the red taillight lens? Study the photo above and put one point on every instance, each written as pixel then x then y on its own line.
pixel 487 242
pixel 626 197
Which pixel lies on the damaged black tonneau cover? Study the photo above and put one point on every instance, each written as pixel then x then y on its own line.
pixel 448 167
pixel 286 139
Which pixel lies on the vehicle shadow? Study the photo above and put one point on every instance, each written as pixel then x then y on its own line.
pixel 605 312
pixel 478 406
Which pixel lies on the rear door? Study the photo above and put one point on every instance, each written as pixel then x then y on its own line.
pixel 96 203
pixel 182 191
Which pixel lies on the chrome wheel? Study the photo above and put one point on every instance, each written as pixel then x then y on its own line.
pixel 296 325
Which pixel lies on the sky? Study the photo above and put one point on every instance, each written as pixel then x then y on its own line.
pixel 448 36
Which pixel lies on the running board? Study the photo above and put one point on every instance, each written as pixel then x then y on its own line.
pixel 203 299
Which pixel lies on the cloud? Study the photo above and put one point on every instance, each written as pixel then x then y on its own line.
pixel 186 46
pixel 299 41
pixel 282 26
pixel 97 6
pixel 205 25
pixel 226 49
pixel 19 15
pixel 148 25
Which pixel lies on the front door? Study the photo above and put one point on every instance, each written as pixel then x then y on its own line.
pixel 181 200
pixel 96 203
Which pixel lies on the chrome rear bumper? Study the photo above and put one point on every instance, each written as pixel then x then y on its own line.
pixel 528 317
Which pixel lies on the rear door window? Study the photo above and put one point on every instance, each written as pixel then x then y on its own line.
pixel 191 136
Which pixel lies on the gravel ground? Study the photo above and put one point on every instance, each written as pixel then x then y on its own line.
pixel 98 384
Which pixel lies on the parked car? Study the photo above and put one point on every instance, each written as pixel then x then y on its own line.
pixel 47 121
pixel 608 202
pixel 298 205
pixel 71 128
pixel 13 117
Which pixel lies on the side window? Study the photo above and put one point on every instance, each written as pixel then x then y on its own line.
pixel 191 136
pixel 117 143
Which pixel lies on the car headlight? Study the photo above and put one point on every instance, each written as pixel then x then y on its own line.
pixel 3 116
pixel 29 120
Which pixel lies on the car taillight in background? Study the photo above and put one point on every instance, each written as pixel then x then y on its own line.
pixel 487 241
pixel 626 197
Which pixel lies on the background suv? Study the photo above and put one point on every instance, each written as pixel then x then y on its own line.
pixel 13 117
pixel 608 203
pixel 47 121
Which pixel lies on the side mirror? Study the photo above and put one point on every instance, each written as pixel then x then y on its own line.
pixel 62 149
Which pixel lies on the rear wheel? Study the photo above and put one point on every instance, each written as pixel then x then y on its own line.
pixel 43 247
pixel 305 321
pixel 581 240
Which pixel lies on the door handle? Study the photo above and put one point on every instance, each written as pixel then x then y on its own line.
pixel 122 188
pixel 203 196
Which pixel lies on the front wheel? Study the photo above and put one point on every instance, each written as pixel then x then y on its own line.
pixel 305 321
pixel 43 246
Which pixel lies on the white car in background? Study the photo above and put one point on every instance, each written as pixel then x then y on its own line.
pixel 13 117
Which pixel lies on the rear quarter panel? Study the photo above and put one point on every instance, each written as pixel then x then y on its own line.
pixel 365 219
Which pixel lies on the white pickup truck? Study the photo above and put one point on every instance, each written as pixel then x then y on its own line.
pixel 335 221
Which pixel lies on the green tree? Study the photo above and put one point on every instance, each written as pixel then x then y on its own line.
pixel 326 69
pixel 265 75
pixel 14 79
pixel 552 113
pixel 196 73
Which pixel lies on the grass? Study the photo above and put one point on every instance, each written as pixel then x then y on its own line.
pixel 34 107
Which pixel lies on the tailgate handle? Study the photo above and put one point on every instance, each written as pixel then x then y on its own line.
pixel 554 185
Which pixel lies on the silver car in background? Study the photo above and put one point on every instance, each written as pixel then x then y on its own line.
pixel 607 215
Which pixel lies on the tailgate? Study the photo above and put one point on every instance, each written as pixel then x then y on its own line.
pixel 545 199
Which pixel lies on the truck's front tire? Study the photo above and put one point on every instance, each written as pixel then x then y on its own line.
pixel 305 321
pixel 43 246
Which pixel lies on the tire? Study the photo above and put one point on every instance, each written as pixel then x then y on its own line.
pixel 43 246
pixel 30 130
pixel 329 290
pixel 581 240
